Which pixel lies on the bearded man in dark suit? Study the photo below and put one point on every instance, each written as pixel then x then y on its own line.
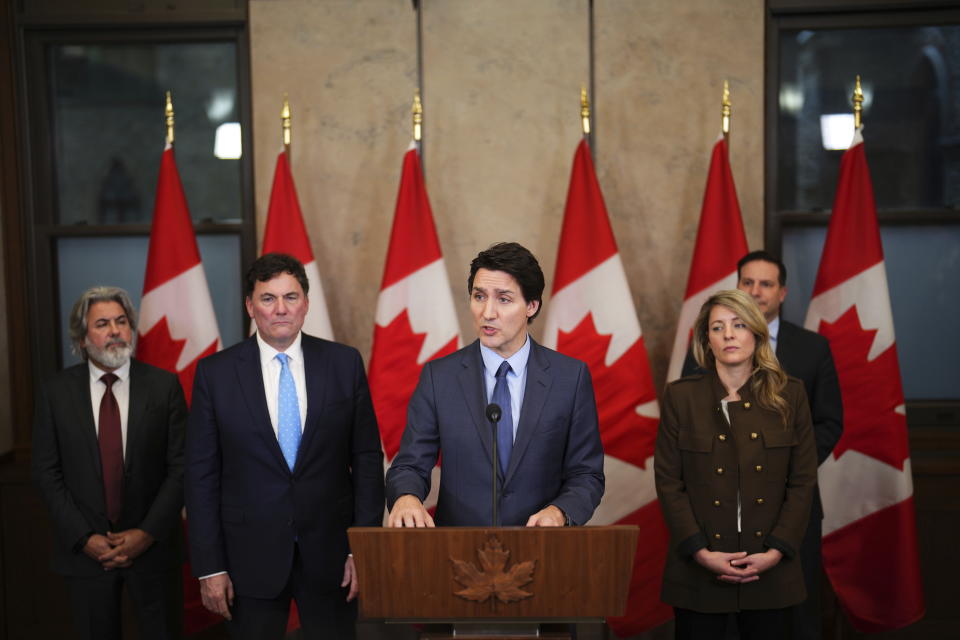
pixel 108 458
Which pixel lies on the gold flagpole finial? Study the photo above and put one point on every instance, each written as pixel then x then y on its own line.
pixel 584 111
pixel 168 112
pixel 417 112
pixel 857 105
pixel 285 121
pixel 725 109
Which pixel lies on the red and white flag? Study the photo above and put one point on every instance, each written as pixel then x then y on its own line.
pixel 415 318
pixel 592 317
pixel 869 527
pixel 177 322
pixel 285 232
pixel 721 243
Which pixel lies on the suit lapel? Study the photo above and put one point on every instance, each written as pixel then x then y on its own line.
pixel 474 393
pixel 316 371
pixel 534 397
pixel 250 376
pixel 86 427
pixel 783 343
pixel 136 409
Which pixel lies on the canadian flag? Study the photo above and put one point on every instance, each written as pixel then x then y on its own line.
pixel 721 242
pixel 415 318
pixel 285 232
pixel 869 527
pixel 177 322
pixel 592 317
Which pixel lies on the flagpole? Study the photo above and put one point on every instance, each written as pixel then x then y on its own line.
pixel 168 113
pixel 857 104
pixel 725 111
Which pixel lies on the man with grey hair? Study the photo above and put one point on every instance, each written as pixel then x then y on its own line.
pixel 108 441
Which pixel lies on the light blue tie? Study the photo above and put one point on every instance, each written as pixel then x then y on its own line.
pixel 288 413
pixel 501 396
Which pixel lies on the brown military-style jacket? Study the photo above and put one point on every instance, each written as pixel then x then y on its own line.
pixel 702 463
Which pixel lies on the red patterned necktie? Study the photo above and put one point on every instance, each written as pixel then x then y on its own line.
pixel 111 451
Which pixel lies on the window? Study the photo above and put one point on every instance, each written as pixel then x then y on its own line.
pixel 97 135
pixel 909 63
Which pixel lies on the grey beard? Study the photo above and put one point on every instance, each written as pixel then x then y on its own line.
pixel 112 357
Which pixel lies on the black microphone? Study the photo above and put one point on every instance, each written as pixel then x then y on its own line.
pixel 494 412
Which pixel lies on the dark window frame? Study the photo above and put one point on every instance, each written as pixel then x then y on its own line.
pixel 41 228
pixel 790 15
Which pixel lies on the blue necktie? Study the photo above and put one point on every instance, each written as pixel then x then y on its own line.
pixel 288 413
pixel 501 396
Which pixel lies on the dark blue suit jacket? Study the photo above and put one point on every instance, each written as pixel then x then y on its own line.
pixel 557 456
pixel 245 507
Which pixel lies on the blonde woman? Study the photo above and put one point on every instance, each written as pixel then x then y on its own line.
pixel 735 471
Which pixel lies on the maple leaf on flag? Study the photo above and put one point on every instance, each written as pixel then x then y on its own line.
pixel 159 348
pixel 871 392
pixel 492 580
pixel 390 401
pixel 625 433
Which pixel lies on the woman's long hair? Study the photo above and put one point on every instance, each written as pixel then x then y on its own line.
pixel 767 380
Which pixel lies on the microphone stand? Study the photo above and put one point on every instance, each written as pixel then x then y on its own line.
pixel 493 415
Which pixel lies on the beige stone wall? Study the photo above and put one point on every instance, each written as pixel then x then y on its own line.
pixel 501 99
pixel 660 67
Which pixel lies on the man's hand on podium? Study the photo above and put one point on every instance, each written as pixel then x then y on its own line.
pixel 408 511
pixel 549 516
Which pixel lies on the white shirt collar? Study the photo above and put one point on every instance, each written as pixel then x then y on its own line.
pixel 774 328
pixel 268 353
pixel 122 372
pixel 518 361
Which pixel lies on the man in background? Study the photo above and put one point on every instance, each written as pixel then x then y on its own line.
pixel 108 458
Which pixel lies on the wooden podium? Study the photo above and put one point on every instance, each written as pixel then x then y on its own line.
pixel 497 582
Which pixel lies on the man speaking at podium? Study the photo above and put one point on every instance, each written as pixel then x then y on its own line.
pixel 549 456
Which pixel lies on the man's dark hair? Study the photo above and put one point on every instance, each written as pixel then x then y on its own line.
pixel 269 266
pixel 516 260
pixel 764 256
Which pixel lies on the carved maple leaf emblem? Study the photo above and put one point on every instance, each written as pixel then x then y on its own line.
pixel 492 580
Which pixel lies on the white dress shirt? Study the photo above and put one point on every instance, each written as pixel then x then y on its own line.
pixel 121 391
pixel 270 367
pixel 774 328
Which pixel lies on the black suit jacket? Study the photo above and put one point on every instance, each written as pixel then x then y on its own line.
pixel 806 355
pixel 66 466
pixel 245 507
